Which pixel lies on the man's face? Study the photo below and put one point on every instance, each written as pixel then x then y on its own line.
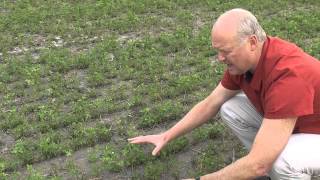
pixel 233 53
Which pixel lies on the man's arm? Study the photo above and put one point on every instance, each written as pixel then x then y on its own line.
pixel 201 112
pixel 271 139
pixel 198 115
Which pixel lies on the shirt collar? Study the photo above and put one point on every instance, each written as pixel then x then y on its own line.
pixel 256 79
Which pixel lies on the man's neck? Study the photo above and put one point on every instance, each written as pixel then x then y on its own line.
pixel 257 57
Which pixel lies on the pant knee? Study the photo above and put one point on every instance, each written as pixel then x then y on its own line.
pixel 282 170
pixel 232 114
pixel 225 110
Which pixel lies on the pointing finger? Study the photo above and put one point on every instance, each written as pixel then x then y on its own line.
pixel 156 150
pixel 138 140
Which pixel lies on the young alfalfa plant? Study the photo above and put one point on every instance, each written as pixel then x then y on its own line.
pixel 74 170
pixel 133 155
pixel 83 135
pixel 112 159
pixel 153 170
pixel 174 147
pixel 208 131
pixel 23 151
pixel 162 112
pixel 211 159
pixel 11 119
pixel 50 145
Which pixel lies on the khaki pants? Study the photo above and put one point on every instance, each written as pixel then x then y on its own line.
pixel 299 160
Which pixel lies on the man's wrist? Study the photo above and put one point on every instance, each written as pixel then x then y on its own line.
pixel 166 137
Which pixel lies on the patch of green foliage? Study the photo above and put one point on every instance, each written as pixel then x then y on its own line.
pixel 78 74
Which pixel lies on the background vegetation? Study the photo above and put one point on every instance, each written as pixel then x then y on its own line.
pixel 77 78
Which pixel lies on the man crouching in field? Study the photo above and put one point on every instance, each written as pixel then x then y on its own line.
pixel 270 98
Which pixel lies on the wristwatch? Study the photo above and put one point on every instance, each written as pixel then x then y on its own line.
pixel 197 178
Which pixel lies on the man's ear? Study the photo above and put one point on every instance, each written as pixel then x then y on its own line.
pixel 253 40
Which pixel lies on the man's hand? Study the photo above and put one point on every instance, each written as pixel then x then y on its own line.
pixel 159 140
pixel 197 116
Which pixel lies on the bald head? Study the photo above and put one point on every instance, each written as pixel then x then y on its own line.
pixel 238 39
pixel 239 24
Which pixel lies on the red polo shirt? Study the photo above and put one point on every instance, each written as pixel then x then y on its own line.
pixel 286 83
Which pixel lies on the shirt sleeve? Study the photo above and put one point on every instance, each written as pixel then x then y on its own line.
pixel 228 82
pixel 288 96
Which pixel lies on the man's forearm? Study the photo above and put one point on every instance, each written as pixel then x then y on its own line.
pixel 243 169
pixel 201 113
pixel 198 115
